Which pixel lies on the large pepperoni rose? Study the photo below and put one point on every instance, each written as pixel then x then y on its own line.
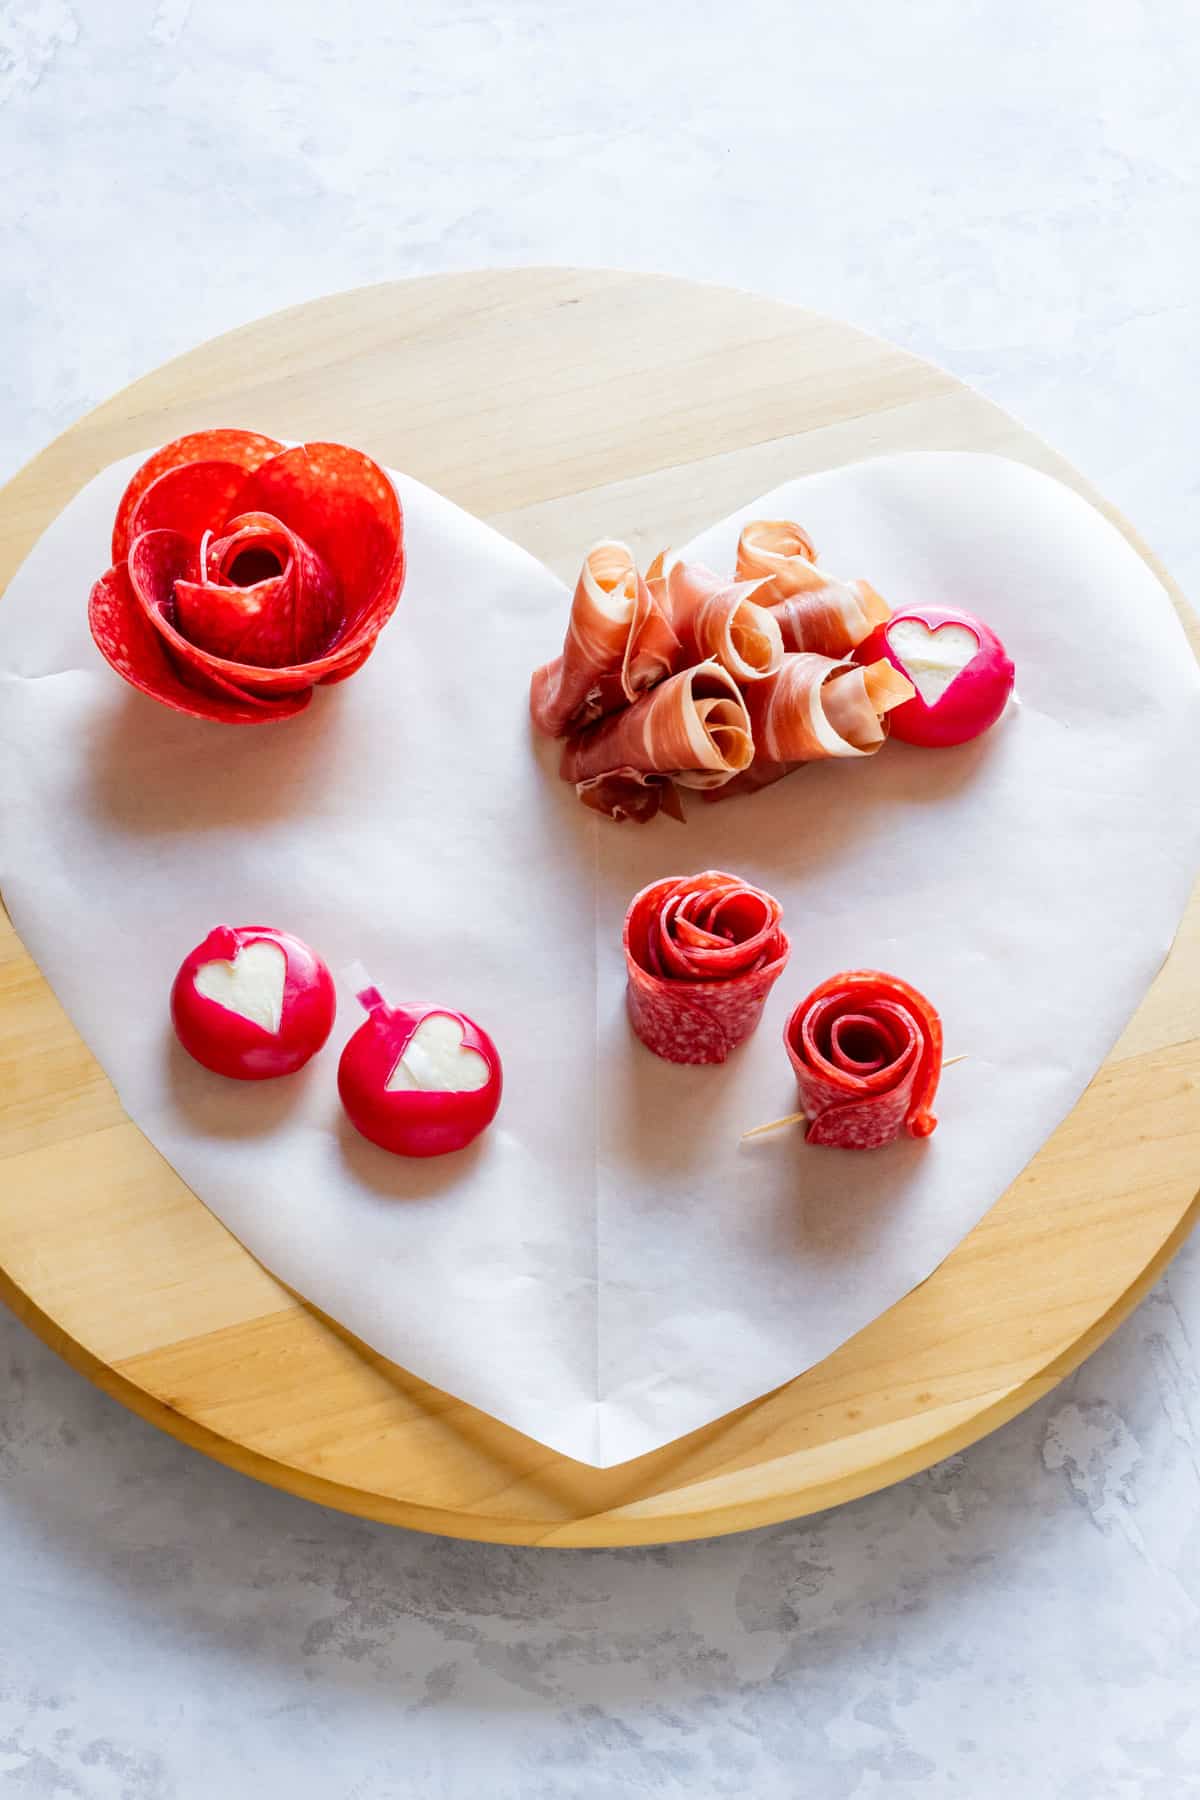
pixel 244 573
pixel 866 1049
pixel 702 953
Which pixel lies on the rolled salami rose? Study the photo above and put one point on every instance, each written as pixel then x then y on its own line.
pixel 866 1049
pixel 245 573
pixel 619 642
pixel 702 953
pixel 814 610
pixel 692 729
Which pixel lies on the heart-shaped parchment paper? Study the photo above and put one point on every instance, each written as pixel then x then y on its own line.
pixel 607 1267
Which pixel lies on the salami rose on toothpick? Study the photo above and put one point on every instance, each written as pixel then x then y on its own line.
pixel 251 1002
pixel 961 671
pixel 419 1080
pixel 866 1051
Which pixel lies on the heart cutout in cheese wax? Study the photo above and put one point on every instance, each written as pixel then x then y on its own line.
pixel 932 659
pixel 435 1060
pixel 251 985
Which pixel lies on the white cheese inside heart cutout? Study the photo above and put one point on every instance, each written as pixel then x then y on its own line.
pixel 435 1060
pixel 932 659
pixel 251 985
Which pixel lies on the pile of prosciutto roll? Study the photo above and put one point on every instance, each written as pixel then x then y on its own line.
pixel 681 678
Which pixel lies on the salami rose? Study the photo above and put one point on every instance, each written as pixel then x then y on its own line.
pixel 252 1002
pixel 866 1049
pixel 244 573
pixel 702 953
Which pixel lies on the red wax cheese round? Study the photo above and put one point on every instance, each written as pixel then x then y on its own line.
pixel 419 1080
pixel 252 1002
pixel 961 671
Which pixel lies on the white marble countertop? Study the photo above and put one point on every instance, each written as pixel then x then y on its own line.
pixel 1009 189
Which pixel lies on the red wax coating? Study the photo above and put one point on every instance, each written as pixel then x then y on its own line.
pixel 974 699
pixel 702 952
pixel 413 1121
pixel 245 573
pixel 231 1044
pixel 866 1050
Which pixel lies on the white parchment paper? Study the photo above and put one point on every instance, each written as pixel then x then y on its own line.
pixel 608 1267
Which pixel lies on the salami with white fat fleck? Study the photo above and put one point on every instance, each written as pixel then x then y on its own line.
pixel 702 953
pixel 866 1051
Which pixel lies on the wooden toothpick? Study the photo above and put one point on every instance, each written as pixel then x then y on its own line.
pixel 774 1125
pixel 798 1118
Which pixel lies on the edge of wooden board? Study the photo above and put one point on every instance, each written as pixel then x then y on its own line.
pixel 604 1530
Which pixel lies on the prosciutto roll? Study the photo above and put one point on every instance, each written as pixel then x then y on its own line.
pixel 866 1049
pixel 815 612
pixel 702 953
pixel 692 729
pixel 814 708
pixel 721 621
pixel 619 642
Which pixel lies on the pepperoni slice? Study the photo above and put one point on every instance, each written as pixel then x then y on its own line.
pixel 245 450
pixel 342 504
pixel 866 1049
pixel 163 565
pixel 193 499
pixel 702 952
pixel 130 645
pixel 265 597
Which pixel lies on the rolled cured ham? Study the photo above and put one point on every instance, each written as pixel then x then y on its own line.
pixel 866 1050
pixel 815 611
pixel 656 579
pixel 702 953
pixel 814 708
pixel 720 620
pixel 692 729
pixel 619 642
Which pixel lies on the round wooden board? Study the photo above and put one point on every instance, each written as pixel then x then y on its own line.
pixel 564 405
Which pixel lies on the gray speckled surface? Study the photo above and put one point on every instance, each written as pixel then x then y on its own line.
pixel 1010 189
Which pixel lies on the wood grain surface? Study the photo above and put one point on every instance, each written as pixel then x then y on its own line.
pixel 564 405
